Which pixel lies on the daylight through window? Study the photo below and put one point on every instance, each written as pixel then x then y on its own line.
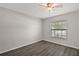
pixel 59 29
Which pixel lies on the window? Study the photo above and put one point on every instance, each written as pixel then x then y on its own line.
pixel 59 29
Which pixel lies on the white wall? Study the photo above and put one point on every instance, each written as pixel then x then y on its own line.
pixel 73 29
pixel 17 30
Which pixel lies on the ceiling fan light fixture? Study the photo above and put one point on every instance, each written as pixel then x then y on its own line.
pixel 50 6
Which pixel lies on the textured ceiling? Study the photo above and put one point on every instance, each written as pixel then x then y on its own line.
pixel 38 11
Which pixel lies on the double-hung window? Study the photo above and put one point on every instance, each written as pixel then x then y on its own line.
pixel 59 29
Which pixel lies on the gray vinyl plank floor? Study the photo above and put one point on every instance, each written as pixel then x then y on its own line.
pixel 43 48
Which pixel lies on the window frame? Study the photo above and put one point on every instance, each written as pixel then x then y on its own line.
pixel 66 29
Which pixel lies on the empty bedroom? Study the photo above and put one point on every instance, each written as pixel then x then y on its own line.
pixel 39 29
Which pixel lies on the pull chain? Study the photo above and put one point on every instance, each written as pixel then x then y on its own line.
pixel 49 12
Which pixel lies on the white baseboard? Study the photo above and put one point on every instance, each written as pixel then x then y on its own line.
pixel 18 47
pixel 38 41
pixel 63 44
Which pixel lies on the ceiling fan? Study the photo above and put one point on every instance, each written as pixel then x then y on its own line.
pixel 51 6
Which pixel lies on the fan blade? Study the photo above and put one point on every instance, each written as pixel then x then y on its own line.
pixel 42 4
pixel 58 6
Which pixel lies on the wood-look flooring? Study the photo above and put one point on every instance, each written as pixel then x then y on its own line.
pixel 43 48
